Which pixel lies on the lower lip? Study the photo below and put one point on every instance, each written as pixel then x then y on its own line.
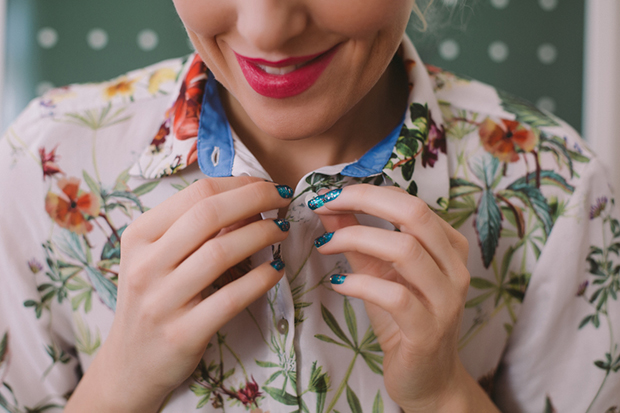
pixel 290 84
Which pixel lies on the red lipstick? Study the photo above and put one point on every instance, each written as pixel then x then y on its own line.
pixel 285 78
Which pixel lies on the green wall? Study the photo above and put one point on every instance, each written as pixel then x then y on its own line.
pixel 56 42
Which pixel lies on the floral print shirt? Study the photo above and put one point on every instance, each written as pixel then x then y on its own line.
pixel 542 322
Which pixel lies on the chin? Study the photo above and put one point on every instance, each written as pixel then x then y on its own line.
pixel 292 124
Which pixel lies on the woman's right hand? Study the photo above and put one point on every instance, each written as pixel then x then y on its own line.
pixel 170 254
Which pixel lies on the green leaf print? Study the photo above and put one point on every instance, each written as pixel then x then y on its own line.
pixel 70 244
pixel 3 347
pixel 377 406
pixel 145 188
pixel 281 396
pixel 354 401
pixel 546 178
pixel 525 111
pixel 488 226
pixel 366 349
pixel 535 200
pixel 349 316
pixel 331 322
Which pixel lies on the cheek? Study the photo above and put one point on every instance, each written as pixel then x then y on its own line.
pixel 356 18
pixel 206 18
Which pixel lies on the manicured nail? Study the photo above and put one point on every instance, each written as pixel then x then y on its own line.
pixel 337 279
pixel 283 224
pixel 285 191
pixel 323 239
pixel 278 265
pixel 316 202
pixel 320 200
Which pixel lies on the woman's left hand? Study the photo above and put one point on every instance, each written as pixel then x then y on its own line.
pixel 414 283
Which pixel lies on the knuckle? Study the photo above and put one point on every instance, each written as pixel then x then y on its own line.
pixel 401 299
pixel 410 248
pixel 463 280
pixel 461 244
pixel 131 235
pixel 261 192
pixel 418 211
pixel 203 188
pixel 213 251
pixel 135 280
pixel 228 304
pixel 205 213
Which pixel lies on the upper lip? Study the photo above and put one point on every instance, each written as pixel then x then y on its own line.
pixel 298 60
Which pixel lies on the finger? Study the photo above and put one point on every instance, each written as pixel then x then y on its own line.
pixel 408 256
pixel 239 224
pixel 216 256
pixel 153 224
pixel 405 308
pixel 333 223
pixel 207 217
pixel 458 241
pixel 213 312
pixel 407 213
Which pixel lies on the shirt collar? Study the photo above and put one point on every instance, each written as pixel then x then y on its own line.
pixel 195 128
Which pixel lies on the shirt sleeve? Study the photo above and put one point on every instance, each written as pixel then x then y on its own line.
pixel 38 367
pixel 564 352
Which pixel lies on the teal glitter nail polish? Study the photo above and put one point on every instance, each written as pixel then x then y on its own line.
pixel 319 201
pixel 278 265
pixel 331 195
pixel 283 224
pixel 337 279
pixel 316 202
pixel 323 239
pixel 285 191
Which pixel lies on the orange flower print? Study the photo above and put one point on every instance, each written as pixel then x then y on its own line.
pixel 48 162
pixel 122 86
pixel 71 209
pixel 502 140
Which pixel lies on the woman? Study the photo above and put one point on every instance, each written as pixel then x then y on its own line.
pixel 329 101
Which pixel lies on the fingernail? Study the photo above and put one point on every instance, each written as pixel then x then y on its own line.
pixel 323 239
pixel 285 191
pixel 283 224
pixel 278 265
pixel 337 279
pixel 320 200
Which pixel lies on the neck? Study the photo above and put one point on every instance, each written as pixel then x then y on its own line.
pixel 365 125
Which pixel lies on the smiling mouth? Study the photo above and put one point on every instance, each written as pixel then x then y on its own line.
pixel 285 78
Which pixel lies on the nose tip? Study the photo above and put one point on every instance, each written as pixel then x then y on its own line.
pixel 270 24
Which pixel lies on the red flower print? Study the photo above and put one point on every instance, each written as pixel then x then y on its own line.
pixel 436 143
pixel 71 209
pixel 48 162
pixel 187 107
pixel 501 140
pixel 249 394
pixel 160 138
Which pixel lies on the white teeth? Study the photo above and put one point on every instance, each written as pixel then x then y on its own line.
pixel 278 70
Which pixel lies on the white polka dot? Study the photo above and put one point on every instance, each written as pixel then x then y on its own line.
pixel 449 49
pixel 498 51
pixel 44 87
pixel 97 39
pixel 548 5
pixel 547 53
pixel 546 103
pixel 500 4
pixel 47 37
pixel 450 3
pixel 147 40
